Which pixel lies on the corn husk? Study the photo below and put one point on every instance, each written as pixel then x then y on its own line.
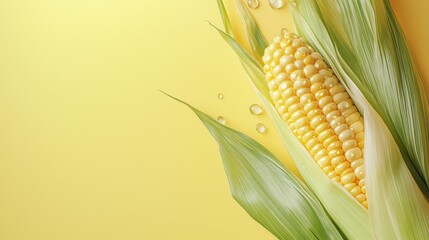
pixel 368 48
pixel 268 191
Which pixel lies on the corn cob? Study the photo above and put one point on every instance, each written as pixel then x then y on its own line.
pixel 318 110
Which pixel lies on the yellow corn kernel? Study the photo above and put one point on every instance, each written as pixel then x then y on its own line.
pixel 318 109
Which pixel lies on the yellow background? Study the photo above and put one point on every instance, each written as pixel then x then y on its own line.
pixel 90 149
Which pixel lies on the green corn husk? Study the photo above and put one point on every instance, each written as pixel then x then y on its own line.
pixel 255 37
pixel 398 209
pixel 269 192
pixel 368 48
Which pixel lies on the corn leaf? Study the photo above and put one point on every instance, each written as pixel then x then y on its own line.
pixel 390 76
pixel 270 193
pixel 249 63
pixel 255 37
pixel 225 18
pixel 398 208
pixel 412 126
pixel 369 49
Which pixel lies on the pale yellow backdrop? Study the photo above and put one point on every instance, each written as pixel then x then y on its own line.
pixel 90 149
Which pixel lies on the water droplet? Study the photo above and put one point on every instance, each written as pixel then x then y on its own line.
pixel 220 96
pixel 221 120
pixel 255 109
pixel 294 3
pixel 253 4
pixel 276 4
pixel 261 128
